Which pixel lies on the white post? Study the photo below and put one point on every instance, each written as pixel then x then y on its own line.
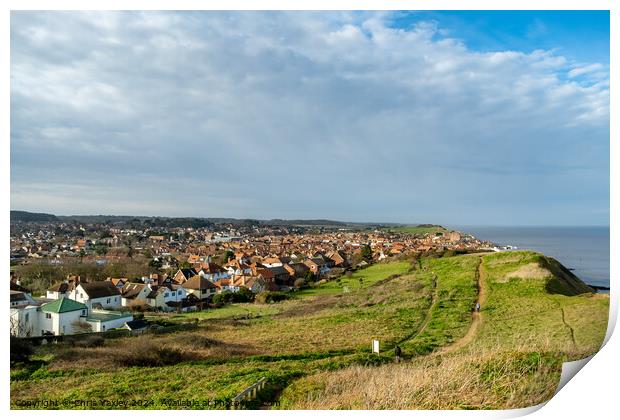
pixel 375 346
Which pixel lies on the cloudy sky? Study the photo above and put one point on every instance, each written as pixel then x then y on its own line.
pixel 442 117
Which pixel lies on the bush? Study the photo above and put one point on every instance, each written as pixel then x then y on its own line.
pixel 145 353
pixel 91 341
pixel 21 350
pixel 271 297
pixel 243 295
pixel 299 283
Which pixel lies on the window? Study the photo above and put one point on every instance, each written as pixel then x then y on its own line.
pixel 166 294
pixel 48 316
pixel 107 300
pixel 83 312
pixel 27 317
pixel 174 293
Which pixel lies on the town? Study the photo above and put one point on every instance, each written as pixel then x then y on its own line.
pixel 97 274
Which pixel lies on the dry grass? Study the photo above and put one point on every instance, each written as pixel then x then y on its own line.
pixel 532 271
pixel 489 380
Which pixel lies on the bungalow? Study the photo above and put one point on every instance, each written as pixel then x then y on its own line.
pixel 102 321
pixel 97 293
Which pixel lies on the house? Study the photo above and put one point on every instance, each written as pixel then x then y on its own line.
pixel 317 265
pixel 101 320
pixel 238 268
pixel 160 296
pixel 281 276
pixel 226 285
pixel 200 287
pixel 297 270
pixel 189 303
pixel 21 299
pixel 134 294
pixel 338 259
pixel 62 289
pixel 118 283
pixel 62 316
pixel 212 272
pixel 184 274
pixel 97 293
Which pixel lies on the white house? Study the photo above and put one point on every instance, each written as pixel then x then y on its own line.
pixel 161 295
pixel 62 316
pixel 134 294
pixel 97 294
pixel 213 272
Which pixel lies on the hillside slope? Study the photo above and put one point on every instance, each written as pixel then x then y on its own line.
pixel 535 315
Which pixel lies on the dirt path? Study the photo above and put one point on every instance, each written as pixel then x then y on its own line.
pixel 476 316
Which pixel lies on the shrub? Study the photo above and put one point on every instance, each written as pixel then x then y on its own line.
pixel 243 295
pixel 91 341
pixel 21 350
pixel 299 283
pixel 145 353
pixel 271 297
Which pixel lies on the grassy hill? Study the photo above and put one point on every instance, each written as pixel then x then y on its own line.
pixel 314 349
pixel 420 230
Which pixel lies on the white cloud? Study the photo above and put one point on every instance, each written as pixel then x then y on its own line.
pixel 317 104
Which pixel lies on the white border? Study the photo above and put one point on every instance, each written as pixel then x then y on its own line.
pixel 593 393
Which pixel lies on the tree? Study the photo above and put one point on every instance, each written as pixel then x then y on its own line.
pixel 129 245
pixel 82 254
pixel 366 253
pixel 155 263
pixel 228 255
pixel 101 249
pixel 21 350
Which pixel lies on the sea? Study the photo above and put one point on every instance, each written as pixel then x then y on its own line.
pixel 585 249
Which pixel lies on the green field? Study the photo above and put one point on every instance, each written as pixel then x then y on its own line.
pixel 314 348
pixel 419 230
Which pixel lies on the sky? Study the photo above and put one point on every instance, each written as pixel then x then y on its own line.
pixel 458 118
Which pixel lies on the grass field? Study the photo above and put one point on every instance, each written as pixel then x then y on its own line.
pixel 419 230
pixel 512 360
pixel 314 349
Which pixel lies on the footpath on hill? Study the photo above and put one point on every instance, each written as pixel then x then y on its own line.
pixel 476 316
